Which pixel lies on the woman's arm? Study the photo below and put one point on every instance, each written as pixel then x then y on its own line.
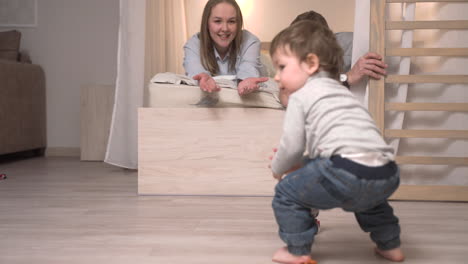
pixel 248 67
pixel 249 57
pixel 192 61
pixel 194 68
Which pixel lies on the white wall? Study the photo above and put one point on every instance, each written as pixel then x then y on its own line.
pixel 265 18
pixel 76 43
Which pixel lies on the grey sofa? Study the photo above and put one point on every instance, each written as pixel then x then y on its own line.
pixel 22 99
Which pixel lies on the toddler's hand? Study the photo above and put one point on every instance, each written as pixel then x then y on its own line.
pixel 277 176
pixel 274 152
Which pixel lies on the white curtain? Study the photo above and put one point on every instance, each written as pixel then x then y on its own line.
pixel 122 146
pixel 166 34
pixel 151 37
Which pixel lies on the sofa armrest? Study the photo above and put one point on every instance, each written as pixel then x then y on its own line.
pixel 22 107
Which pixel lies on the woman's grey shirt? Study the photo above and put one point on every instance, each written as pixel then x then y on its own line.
pixel 345 40
pixel 247 63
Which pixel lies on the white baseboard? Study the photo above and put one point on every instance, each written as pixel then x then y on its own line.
pixel 62 152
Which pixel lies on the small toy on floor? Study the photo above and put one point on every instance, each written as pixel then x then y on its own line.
pixel 2 176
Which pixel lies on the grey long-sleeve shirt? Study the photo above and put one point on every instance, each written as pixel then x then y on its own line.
pixel 247 63
pixel 322 119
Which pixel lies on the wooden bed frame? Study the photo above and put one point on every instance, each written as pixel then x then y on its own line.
pixel 207 151
pixel 224 151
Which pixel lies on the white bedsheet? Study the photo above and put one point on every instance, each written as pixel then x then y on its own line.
pixel 174 90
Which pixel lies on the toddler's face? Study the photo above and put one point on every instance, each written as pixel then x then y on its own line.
pixel 291 74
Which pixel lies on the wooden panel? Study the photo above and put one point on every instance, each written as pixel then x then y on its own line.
pixel 427 52
pixel 427 79
pixel 431 193
pixel 97 102
pixel 62 211
pixel 426 160
pixel 404 133
pixel 440 24
pixel 451 107
pixel 207 151
pixel 377 45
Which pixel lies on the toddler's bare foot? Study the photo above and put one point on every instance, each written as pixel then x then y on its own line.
pixel 392 254
pixel 283 256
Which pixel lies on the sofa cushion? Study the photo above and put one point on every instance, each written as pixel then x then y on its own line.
pixel 10 44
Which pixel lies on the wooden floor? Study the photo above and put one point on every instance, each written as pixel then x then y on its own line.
pixel 61 210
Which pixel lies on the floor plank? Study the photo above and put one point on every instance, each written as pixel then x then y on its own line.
pixel 61 210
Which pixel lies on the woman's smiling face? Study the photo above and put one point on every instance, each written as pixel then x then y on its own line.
pixel 222 25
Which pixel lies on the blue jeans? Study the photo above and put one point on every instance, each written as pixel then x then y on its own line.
pixel 321 184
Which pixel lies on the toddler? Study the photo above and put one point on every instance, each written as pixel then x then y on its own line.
pixel 347 164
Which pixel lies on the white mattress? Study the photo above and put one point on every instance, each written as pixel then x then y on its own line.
pixel 181 95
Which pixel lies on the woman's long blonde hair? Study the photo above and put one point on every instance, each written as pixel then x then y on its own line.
pixel 207 54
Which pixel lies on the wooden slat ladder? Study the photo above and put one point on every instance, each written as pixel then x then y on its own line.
pixel 378 106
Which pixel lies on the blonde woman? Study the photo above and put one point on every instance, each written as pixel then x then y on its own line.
pixel 223 47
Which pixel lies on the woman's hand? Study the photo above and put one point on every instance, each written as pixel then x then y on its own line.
pixel 370 64
pixel 249 85
pixel 206 82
